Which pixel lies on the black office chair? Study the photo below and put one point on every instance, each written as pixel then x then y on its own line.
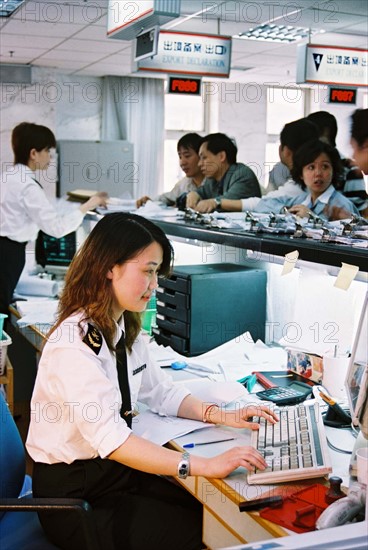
pixel 20 528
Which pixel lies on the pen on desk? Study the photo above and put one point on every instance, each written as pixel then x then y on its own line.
pixel 257 504
pixel 191 445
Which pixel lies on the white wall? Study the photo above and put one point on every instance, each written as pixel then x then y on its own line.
pixel 242 115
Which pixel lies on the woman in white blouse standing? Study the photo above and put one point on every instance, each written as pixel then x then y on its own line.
pixel 24 207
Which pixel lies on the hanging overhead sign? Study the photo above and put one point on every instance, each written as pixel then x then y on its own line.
pixel 331 65
pixel 125 19
pixel 190 54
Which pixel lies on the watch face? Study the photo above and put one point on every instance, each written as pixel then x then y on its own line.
pixel 183 469
pixel 183 466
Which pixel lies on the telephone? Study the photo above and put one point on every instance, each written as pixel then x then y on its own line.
pixel 335 416
pixel 345 509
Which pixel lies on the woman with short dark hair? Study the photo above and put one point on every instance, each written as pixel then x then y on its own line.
pixel 24 207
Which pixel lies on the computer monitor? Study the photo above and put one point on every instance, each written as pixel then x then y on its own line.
pixel 356 382
pixel 55 255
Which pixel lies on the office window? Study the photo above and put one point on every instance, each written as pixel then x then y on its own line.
pixel 183 112
pixel 283 106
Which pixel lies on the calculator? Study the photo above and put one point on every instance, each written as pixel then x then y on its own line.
pixel 294 393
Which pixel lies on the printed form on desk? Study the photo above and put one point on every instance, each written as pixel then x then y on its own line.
pixel 231 361
pixel 161 429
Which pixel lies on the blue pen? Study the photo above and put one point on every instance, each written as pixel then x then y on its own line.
pixel 191 445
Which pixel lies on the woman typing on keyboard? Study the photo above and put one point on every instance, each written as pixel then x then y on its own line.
pixel 94 368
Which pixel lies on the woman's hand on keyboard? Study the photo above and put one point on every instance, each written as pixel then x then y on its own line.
pixel 222 465
pixel 243 416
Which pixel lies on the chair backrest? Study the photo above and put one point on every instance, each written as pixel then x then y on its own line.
pixel 12 454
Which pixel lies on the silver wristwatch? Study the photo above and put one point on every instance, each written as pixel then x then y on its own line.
pixel 217 201
pixel 184 466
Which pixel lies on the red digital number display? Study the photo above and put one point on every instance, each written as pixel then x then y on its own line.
pixel 191 86
pixel 341 95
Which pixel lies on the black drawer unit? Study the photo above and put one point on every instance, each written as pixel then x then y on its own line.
pixel 172 312
pixel 200 307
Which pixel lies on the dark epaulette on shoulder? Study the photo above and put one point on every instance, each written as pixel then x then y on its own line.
pixel 93 339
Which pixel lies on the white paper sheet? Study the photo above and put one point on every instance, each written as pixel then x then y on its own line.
pixel 237 358
pixel 241 437
pixel 161 429
pixel 152 209
pixel 36 312
pixel 221 393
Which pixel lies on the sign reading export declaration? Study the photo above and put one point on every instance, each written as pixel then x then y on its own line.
pixel 332 65
pixel 190 54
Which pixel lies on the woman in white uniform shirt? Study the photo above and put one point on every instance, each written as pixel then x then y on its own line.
pixel 24 207
pixel 79 438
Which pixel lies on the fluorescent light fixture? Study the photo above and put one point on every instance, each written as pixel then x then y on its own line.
pixel 8 7
pixel 270 32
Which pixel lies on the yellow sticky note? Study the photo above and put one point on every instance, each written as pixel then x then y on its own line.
pixel 290 261
pixel 346 275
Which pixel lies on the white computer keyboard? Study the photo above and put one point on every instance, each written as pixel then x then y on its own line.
pixel 294 448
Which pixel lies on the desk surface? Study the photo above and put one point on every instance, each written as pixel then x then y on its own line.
pixel 224 525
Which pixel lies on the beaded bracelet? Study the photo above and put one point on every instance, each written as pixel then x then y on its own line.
pixel 208 410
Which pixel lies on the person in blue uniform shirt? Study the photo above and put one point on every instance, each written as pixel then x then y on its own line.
pixel 80 434
pixel 316 168
pixel 24 207
pixel 225 178
pixel 351 182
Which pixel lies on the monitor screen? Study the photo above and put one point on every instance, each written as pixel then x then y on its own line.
pixel 146 43
pixel 55 255
pixel 357 377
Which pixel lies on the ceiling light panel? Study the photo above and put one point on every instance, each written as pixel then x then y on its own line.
pixel 8 7
pixel 277 33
